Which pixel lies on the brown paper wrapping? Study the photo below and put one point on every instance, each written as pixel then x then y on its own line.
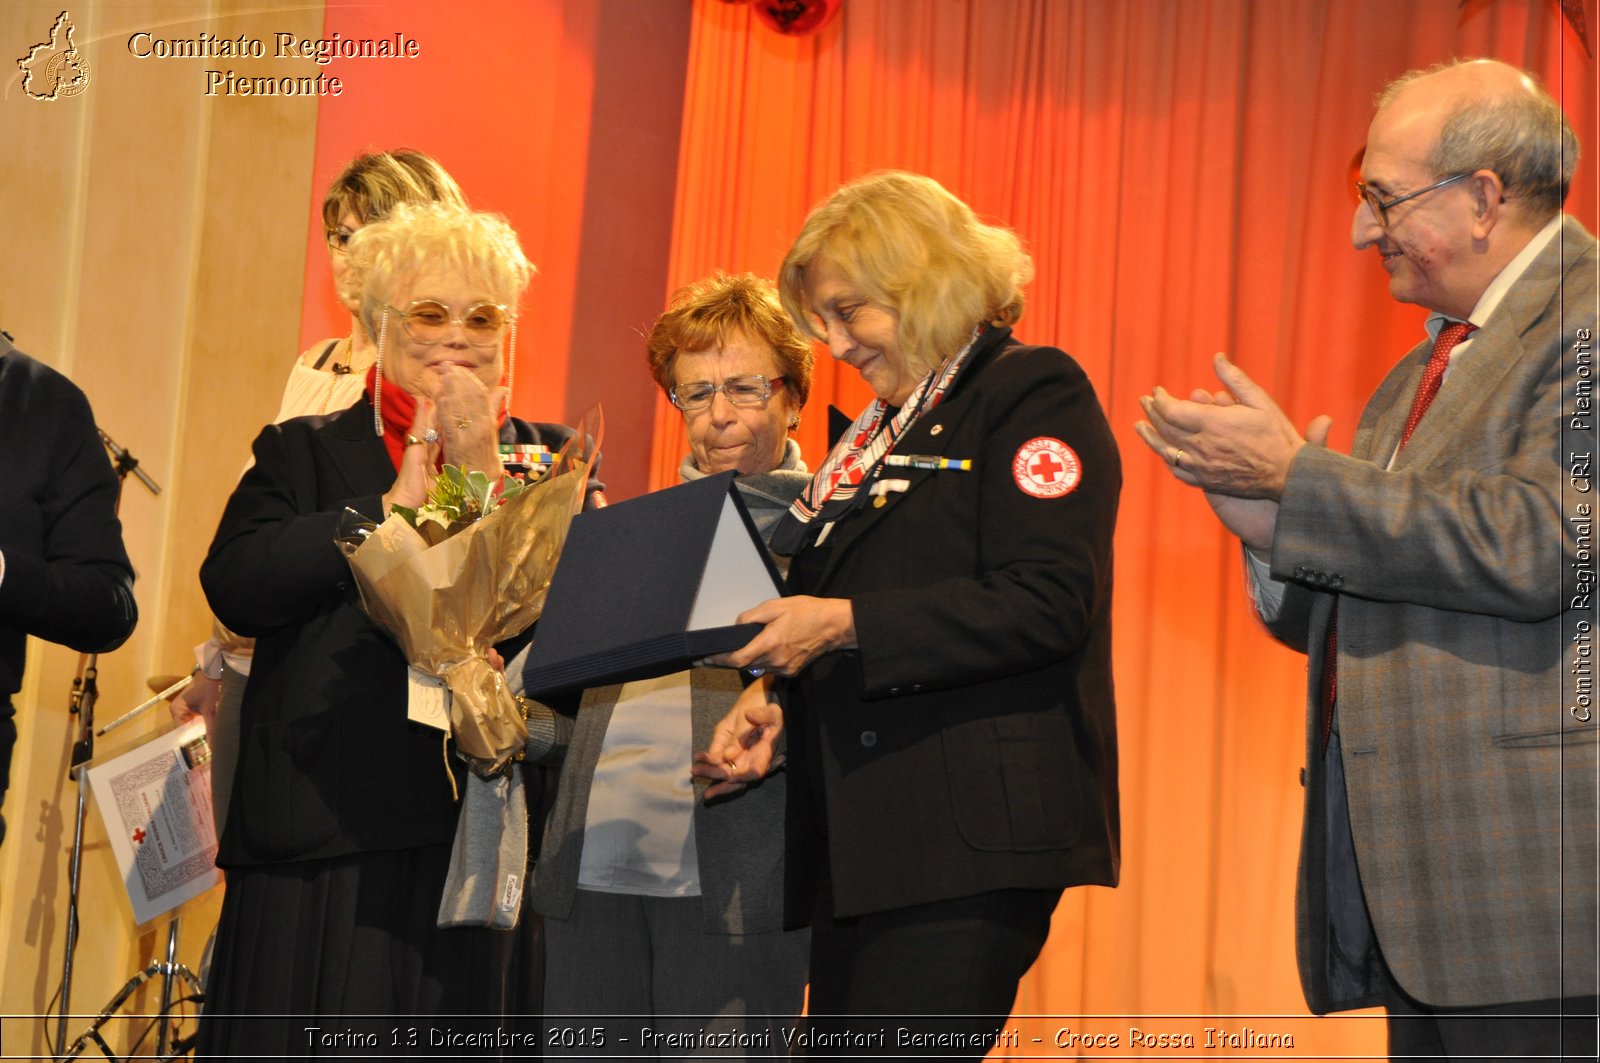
pixel 447 604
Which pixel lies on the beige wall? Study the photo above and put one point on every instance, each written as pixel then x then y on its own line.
pixel 158 256
pixel 154 249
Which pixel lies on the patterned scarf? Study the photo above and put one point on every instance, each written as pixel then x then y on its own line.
pixel 859 450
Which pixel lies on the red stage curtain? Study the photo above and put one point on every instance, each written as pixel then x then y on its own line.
pixel 564 116
pixel 1180 170
pixel 510 140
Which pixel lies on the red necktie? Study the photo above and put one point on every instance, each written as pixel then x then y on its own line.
pixel 1427 388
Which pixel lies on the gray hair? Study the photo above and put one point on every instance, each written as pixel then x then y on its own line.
pixel 1522 136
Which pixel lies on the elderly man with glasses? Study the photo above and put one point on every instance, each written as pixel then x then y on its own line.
pixel 1435 579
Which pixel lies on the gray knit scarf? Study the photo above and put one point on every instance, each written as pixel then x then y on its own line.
pixel 767 495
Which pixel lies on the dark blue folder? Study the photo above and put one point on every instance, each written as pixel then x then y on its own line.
pixel 647 586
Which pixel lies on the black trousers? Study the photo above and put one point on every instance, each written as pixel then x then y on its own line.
pixel 1542 1029
pixel 1536 1029
pixel 929 980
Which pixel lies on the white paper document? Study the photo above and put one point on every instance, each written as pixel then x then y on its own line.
pixel 155 801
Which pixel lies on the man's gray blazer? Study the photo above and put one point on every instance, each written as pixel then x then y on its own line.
pixel 1471 784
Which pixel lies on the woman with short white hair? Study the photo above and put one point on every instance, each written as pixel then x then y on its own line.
pixel 344 811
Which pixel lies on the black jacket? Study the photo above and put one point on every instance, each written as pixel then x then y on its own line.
pixel 969 744
pixel 328 762
pixel 67 578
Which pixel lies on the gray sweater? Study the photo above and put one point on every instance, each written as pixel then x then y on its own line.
pixel 738 839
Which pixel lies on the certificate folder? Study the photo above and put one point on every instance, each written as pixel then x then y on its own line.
pixel 645 587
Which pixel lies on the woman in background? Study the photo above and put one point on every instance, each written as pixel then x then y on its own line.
pixel 339 838
pixel 950 723
pixel 656 904
pixel 329 375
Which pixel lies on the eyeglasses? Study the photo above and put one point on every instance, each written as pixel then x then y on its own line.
pixel 1380 207
pixel 429 321
pixel 339 239
pixel 752 390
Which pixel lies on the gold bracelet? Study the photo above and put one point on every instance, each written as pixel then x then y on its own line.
pixel 526 706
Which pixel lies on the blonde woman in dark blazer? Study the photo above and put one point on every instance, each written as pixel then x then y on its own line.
pixel 950 723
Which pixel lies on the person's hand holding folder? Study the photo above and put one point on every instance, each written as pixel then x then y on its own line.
pixel 798 630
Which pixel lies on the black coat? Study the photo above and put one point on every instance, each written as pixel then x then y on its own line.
pixel 64 575
pixel 969 744
pixel 328 762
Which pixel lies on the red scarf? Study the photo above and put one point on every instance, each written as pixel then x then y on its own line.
pixel 399 412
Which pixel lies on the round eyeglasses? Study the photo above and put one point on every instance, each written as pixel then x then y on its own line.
pixel 1380 207
pixel 339 239
pixel 752 390
pixel 429 321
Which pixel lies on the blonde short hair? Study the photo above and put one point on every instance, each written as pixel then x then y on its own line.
pixel 389 252
pixel 374 184
pixel 701 316
pixel 911 246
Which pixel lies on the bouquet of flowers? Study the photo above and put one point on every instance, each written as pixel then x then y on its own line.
pixel 465 570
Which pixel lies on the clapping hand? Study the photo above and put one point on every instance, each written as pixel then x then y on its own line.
pixel 1235 444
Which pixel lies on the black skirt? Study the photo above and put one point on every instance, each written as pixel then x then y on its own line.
pixel 343 957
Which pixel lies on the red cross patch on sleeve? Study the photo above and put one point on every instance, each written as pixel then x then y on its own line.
pixel 1046 468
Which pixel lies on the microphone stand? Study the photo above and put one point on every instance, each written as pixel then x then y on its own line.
pixel 85 692
pixel 126 463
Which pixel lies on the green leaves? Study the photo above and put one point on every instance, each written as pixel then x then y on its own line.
pixel 457 498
